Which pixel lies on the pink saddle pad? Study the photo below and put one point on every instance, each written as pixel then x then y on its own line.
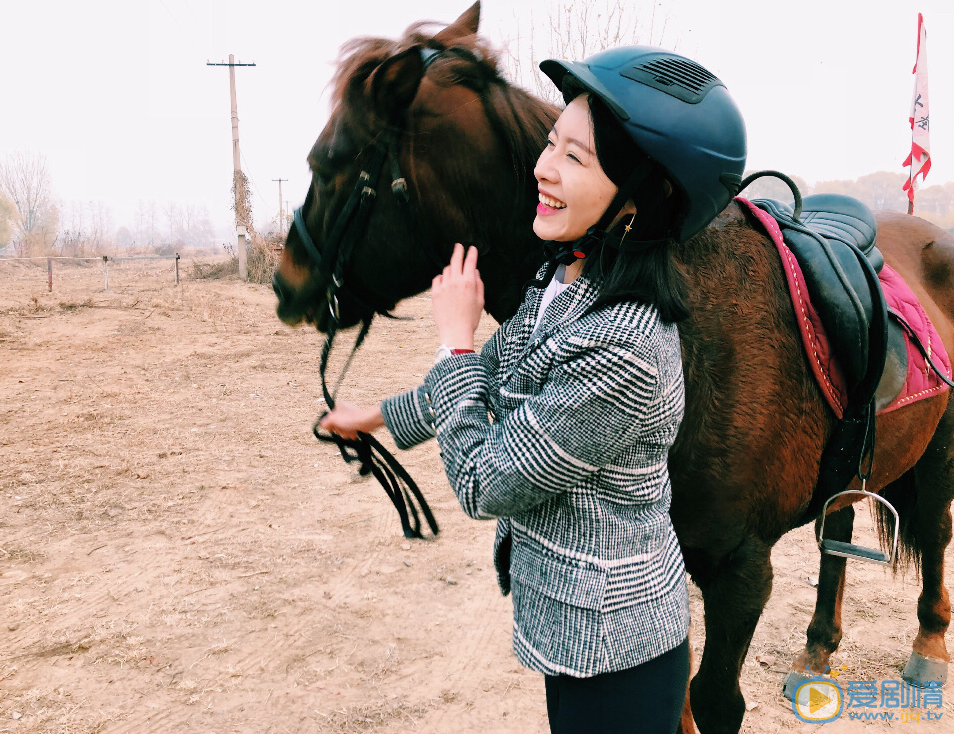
pixel 921 380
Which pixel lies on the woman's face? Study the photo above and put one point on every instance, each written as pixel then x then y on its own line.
pixel 574 191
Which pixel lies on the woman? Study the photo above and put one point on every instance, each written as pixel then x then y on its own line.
pixel 561 426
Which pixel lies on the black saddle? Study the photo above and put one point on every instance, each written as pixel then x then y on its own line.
pixel 833 240
pixel 834 243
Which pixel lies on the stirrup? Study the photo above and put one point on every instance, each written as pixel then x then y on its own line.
pixel 849 550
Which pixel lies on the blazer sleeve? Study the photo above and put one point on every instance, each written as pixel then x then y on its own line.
pixel 601 396
pixel 410 416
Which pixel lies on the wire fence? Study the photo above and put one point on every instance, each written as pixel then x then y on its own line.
pixel 105 259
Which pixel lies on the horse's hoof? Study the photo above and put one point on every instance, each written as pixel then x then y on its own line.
pixel 920 670
pixel 791 683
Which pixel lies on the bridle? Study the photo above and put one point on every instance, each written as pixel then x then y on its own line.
pixel 348 229
pixel 352 221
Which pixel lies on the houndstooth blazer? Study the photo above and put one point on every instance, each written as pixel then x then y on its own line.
pixel 562 433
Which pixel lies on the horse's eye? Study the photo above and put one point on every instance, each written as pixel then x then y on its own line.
pixel 324 175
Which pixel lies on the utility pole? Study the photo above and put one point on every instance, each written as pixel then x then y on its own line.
pixel 238 178
pixel 281 212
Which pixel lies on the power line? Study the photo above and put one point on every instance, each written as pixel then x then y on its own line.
pixel 236 164
pixel 281 212
pixel 255 185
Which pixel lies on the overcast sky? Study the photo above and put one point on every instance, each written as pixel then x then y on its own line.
pixel 117 94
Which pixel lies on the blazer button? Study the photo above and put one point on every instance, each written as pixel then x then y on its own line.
pixel 430 412
pixel 427 398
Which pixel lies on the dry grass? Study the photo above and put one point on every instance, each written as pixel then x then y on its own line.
pixel 262 257
pixel 371 716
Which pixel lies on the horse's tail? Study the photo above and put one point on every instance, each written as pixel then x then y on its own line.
pixel 903 496
pixel 935 251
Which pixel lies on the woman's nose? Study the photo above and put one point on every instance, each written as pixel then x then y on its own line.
pixel 545 170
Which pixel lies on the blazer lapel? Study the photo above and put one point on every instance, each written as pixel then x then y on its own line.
pixel 521 328
pixel 567 307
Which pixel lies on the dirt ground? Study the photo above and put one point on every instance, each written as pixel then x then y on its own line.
pixel 178 554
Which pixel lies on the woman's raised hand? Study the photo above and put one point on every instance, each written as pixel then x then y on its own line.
pixel 457 299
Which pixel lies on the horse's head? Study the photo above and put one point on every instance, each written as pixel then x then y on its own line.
pixel 426 146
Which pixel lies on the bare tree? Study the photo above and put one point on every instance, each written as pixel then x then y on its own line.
pixel 576 29
pixel 87 229
pixel 7 214
pixel 25 179
pixel 176 221
pixel 123 238
pixel 146 216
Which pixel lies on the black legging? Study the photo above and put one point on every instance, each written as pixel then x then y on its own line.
pixel 646 699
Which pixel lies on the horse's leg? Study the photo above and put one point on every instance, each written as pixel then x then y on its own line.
pixel 734 592
pixel 824 631
pixel 929 537
pixel 686 725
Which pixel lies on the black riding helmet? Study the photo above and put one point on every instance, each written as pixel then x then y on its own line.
pixel 678 113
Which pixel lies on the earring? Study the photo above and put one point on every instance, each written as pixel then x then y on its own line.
pixel 627 229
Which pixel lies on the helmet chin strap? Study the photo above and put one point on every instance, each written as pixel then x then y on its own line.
pixel 566 253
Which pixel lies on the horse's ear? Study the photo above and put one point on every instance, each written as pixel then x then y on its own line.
pixel 464 27
pixel 394 83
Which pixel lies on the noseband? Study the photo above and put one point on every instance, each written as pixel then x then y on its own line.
pixel 348 229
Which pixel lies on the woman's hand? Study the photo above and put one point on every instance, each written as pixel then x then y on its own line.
pixel 457 299
pixel 347 420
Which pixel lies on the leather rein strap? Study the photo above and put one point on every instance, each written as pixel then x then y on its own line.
pixel 346 232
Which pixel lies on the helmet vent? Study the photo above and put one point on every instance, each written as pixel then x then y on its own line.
pixel 674 75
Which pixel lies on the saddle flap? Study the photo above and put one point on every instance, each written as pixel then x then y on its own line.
pixel 829 241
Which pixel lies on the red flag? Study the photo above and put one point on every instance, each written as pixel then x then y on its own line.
pixel 919 159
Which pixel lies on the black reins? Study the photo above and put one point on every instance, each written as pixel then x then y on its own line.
pixel 347 231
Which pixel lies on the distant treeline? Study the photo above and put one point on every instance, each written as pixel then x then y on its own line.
pixel 880 190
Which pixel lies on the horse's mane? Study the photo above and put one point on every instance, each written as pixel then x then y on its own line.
pixel 520 119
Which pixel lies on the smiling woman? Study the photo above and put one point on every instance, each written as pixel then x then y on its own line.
pixel 568 170
pixel 585 386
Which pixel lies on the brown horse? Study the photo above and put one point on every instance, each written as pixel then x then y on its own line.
pixel 746 460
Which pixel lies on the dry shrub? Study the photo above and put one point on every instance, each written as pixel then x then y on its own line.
pixel 261 257
pixel 219 270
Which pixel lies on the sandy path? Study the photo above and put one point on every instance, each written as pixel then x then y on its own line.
pixel 178 554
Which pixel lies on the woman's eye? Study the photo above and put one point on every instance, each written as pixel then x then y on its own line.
pixel 573 158
pixel 550 143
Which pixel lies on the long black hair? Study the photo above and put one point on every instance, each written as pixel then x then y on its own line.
pixel 634 264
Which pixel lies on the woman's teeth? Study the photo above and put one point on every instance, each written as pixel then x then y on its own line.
pixel 552 203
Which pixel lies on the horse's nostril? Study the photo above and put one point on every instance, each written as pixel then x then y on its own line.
pixel 281 290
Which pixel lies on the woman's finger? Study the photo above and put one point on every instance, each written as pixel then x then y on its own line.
pixel 457 258
pixel 470 262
